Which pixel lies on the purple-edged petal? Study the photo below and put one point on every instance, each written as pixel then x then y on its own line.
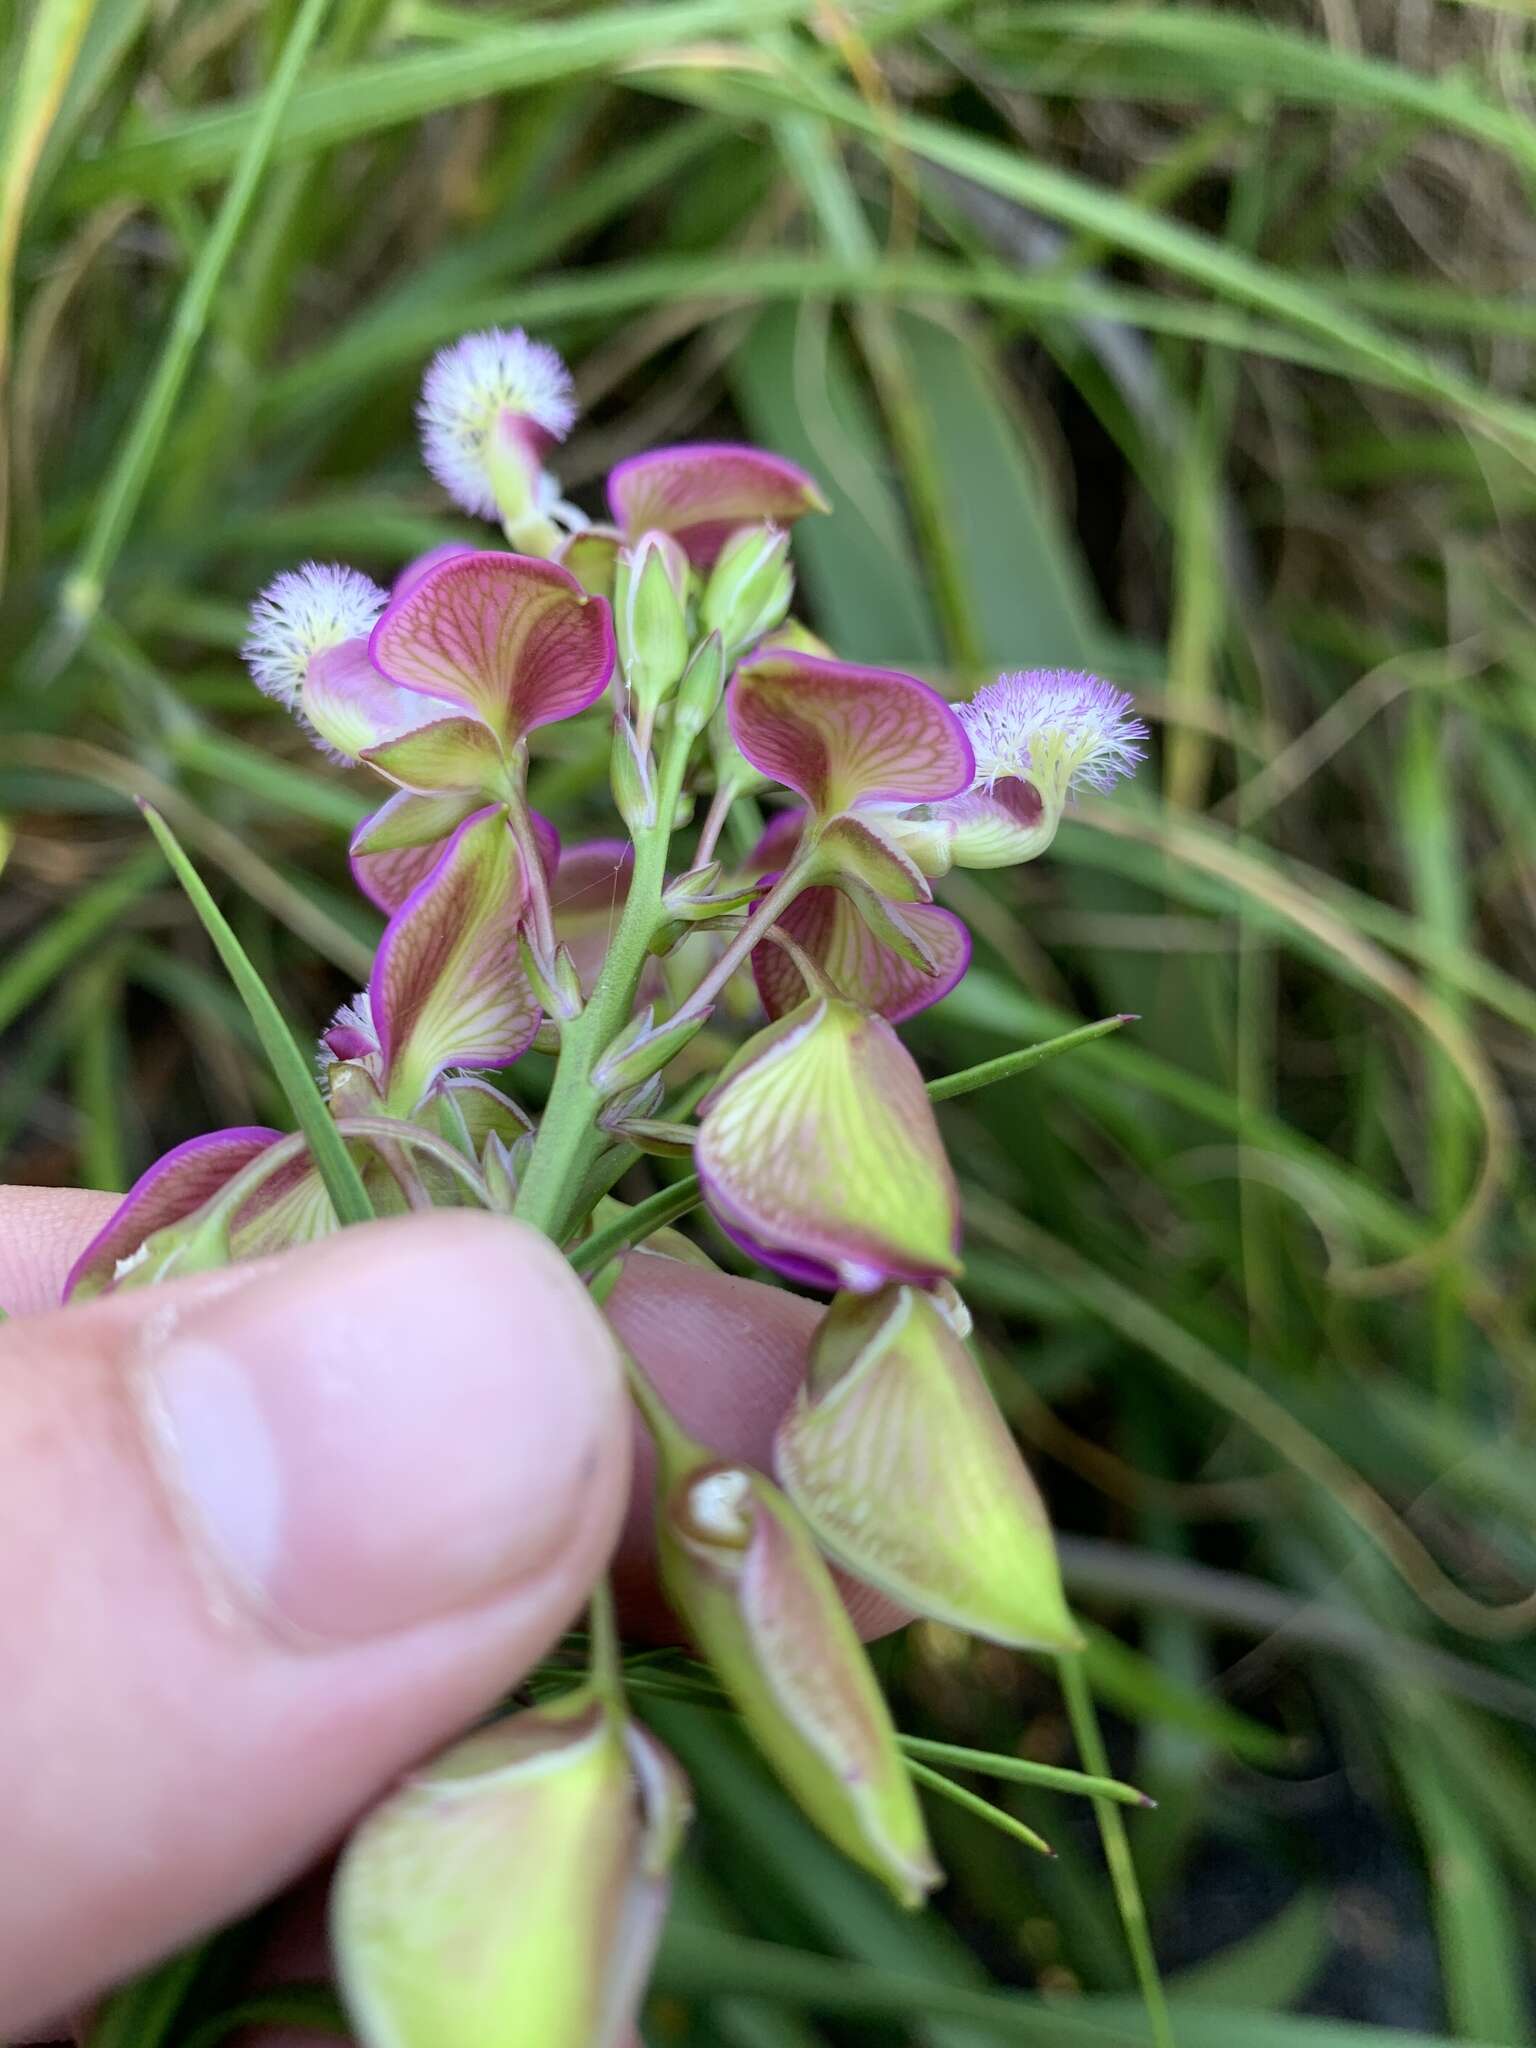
pixel 413 571
pixel 350 705
pixel 828 927
pixel 448 988
pixel 513 641
pixel 700 493
pixel 841 735
pixel 399 846
pixel 171 1189
pixel 818 1144
pixel 450 753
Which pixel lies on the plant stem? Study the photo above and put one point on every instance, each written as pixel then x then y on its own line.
pixel 753 931
pixel 568 1138
pixel 1117 1848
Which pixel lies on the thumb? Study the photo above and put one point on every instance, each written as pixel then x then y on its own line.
pixel 270 1534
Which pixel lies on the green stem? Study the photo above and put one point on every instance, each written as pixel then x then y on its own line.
pixel 605 1663
pixel 1117 1848
pixel 569 1139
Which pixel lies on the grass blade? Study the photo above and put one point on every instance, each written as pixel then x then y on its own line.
pixel 333 1162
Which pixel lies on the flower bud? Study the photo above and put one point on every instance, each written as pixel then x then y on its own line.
pixel 629 773
pixel 592 558
pixel 650 617
pixel 642 1049
pixel 819 1153
pixel 512 1891
pixel 743 1573
pixel 749 588
pixel 897 1457
pixel 702 686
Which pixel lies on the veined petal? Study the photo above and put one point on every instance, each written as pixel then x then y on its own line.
pixel 350 706
pixel 414 570
pixel 450 753
pixel 827 926
pixel 512 640
pixel 448 988
pixel 702 491
pixel 171 1189
pixel 897 1457
pixel 818 1147
pixel 841 735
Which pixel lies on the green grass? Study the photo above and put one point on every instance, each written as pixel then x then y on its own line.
pixel 1194 345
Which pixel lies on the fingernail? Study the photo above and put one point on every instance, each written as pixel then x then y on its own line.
pixel 402 1420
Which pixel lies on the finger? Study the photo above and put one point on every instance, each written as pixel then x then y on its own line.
pixel 42 1232
pixel 271 1534
pixel 727 1354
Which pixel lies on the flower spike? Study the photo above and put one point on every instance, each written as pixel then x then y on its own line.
pixel 819 1153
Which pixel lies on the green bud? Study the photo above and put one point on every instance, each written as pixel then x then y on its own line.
pixel 746 1578
pixel 642 1049
pixel 702 686
pixel 510 1894
pixel 592 558
pixel 749 588
pixel 650 617
pixel 630 774
pixel 896 1455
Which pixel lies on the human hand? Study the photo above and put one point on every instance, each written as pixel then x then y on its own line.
pixel 274 1533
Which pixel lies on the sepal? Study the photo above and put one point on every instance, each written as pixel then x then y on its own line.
pixel 896 1455
pixel 743 1573
pixel 819 1153
pixel 513 1890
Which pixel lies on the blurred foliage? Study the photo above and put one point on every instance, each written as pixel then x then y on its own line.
pixel 1192 345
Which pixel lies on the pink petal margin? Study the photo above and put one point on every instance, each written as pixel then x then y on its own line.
pixel 840 735
pixel 701 491
pixel 172 1188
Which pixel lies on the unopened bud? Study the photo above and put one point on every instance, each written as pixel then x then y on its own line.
pixel 629 772
pixel 641 1049
pixel 703 685
pixel 896 1455
pixel 749 588
pixel 650 601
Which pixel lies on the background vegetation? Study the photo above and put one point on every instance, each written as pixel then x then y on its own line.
pixel 1193 346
